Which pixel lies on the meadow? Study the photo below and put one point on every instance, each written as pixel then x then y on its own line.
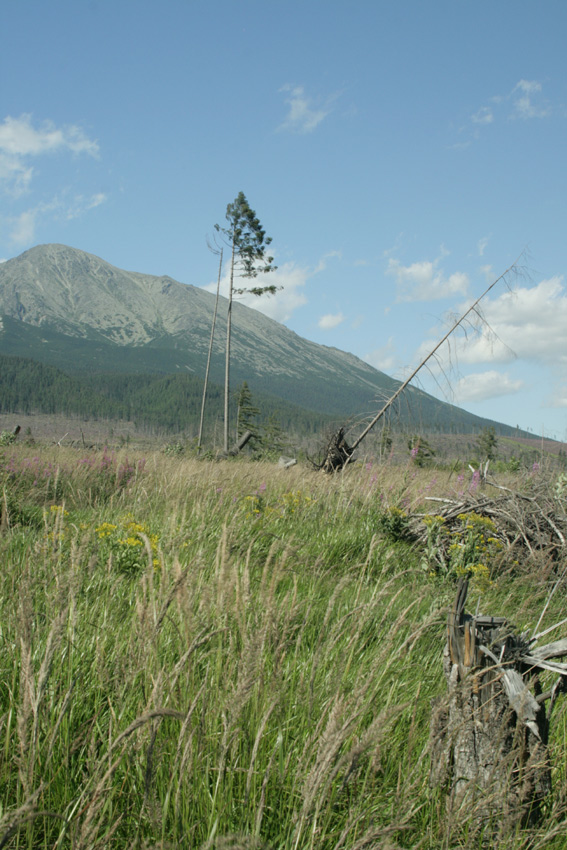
pixel 200 654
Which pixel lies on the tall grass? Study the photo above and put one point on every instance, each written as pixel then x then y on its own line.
pixel 222 655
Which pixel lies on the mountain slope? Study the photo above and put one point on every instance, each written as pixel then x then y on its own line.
pixel 70 309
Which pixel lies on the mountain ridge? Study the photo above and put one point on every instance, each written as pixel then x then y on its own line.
pixel 73 310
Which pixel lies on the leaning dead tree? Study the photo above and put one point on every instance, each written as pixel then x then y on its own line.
pixel 338 452
pixel 489 736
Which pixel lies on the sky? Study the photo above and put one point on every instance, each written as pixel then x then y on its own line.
pixel 401 155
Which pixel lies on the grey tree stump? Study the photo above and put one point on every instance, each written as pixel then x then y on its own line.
pixel 488 737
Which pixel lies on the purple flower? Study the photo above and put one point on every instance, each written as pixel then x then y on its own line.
pixel 262 487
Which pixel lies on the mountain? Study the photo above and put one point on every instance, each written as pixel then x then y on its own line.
pixel 69 309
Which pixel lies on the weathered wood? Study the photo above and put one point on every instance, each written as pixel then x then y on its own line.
pixel 338 453
pixel 550 650
pixel 489 735
pixel 238 446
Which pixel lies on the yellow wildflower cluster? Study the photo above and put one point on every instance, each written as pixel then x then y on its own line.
pixel 479 575
pixel 464 549
pixel 125 542
pixel 294 500
pixel 105 530
pixel 288 503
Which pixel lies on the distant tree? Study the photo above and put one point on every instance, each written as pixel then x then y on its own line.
pixel 248 243
pixel 386 442
pixel 272 435
pixel 487 444
pixel 247 413
pixel 421 452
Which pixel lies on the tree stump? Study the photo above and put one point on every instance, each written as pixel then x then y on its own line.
pixel 489 736
pixel 338 453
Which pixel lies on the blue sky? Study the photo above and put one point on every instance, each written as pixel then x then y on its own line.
pixel 401 155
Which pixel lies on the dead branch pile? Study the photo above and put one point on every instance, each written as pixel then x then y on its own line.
pixel 536 521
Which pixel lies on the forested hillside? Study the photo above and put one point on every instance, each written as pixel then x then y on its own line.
pixel 168 403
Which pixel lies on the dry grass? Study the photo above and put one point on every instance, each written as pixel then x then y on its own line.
pixel 253 669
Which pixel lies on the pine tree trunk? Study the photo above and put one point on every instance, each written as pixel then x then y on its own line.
pixel 209 356
pixel 227 358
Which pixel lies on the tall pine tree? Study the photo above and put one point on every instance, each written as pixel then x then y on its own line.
pixel 248 244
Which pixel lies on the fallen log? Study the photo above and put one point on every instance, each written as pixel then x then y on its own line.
pixel 238 446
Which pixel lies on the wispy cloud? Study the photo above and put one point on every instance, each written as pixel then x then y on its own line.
pixel 526 103
pixel 21 141
pixel 382 358
pixel 324 261
pixel 23 226
pixel 530 321
pixel 484 385
pixel 330 321
pixel 304 114
pixel 526 324
pixel 291 280
pixel 425 280
pixel 81 205
pixel 484 115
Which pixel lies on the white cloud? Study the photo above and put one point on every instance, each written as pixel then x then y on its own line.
pixel 425 281
pixel 525 101
pixel 82 205
pixel 24 225
pixel 19 138
pixel 484 385
pixel 330 321
pixel 303 116
pixel 290 280
pixel 322 264
pixel 382 358
pixel 529 320
pixel 527 324
pixel 282 305
pixel 484 115
pixel 20 141
pixel 523 95
pixel 559 397
pixel 482 245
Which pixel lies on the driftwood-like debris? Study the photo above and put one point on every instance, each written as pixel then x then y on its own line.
pixel 535 521
pixel 238 446
pixel 337 453
pixel 489 736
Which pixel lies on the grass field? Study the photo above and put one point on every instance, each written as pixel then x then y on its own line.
pixel 232 655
